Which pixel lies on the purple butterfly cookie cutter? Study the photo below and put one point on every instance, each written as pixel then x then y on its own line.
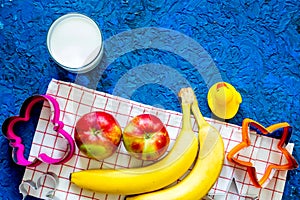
pixel 24 116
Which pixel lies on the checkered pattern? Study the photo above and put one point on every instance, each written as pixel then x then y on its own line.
pixel 75 101
pixel 262 152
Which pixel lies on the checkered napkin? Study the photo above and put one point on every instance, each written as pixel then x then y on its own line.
pixel 75 101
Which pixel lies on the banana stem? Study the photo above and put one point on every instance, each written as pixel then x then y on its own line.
pixel 186 115
pixel 197 114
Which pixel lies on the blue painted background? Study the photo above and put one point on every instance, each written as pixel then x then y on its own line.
pixel 255 45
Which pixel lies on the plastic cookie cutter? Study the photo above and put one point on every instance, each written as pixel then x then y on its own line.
pixel 16 142
pixel 231 188
pixel 285 130
pixel 27 184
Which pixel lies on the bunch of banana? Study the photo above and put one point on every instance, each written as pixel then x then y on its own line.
pixel 207 167
pixel 149 178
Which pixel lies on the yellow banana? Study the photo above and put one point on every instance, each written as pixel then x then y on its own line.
pixel 207 167
pixel 145 179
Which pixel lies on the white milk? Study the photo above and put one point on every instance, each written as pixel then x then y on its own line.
pixel 75 43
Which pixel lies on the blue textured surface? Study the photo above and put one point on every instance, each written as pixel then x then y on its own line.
pixel 255 45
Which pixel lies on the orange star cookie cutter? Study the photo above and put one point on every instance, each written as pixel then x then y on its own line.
pixel 246 142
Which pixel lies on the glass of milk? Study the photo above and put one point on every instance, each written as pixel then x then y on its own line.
pixel 75 43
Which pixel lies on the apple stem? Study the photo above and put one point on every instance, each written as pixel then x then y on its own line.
pixel 147 135
pixel 96 132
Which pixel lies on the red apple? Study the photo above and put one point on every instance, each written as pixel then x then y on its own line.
pixel 146 137
pixel 97 135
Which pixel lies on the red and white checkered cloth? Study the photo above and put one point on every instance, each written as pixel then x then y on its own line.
pixel 75 101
